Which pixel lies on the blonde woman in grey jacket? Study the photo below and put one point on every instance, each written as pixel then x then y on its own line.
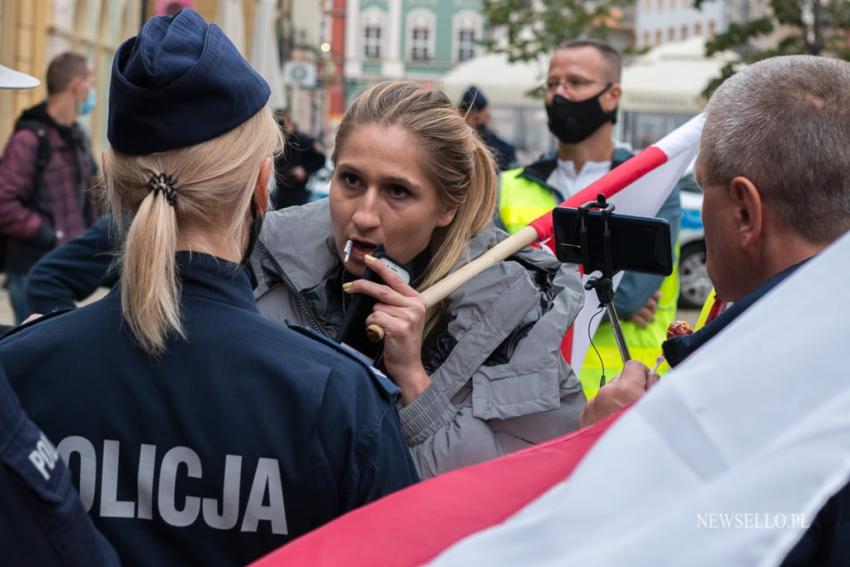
pixel 481 374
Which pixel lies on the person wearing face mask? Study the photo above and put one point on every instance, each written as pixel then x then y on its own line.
pixel 46 173
pixel 582 94
pixel 199 432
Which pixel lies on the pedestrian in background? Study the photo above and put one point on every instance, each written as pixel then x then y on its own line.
pixel 476 109
pixel 294 166
pixel 46 174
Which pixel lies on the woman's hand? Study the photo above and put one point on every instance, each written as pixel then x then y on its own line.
pixel 400 311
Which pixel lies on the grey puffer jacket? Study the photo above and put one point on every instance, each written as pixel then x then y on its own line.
pixel 501 384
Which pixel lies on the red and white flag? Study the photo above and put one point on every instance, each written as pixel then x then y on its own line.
pixel 725 462
pixel 637 187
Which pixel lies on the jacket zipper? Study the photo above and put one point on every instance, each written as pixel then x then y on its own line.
pixel 299 299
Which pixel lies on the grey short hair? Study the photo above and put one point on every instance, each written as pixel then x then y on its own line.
pixel 784 123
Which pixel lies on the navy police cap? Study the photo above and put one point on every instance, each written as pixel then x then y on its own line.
pixel 178 83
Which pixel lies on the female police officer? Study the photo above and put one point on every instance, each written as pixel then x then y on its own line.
pixel 199 431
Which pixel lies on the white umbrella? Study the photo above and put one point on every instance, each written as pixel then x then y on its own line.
pixel 264 50
pixel 230 18
pixel 503 83
pixel 11 79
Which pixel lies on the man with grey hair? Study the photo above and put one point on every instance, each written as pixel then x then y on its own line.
pixel 773 165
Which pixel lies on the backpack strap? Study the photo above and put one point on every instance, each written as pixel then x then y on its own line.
pixel 42 154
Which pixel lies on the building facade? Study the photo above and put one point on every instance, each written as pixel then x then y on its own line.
pixel 35 31
pixel 666 21
pixel 408 39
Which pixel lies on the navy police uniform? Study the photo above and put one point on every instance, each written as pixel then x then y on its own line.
pixel 41 519
pixel 235 441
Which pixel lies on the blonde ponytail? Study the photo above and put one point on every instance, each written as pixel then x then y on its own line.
pixel 150 298
pixel 209 199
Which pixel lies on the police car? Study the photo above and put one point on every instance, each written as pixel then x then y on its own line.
pixel 694 283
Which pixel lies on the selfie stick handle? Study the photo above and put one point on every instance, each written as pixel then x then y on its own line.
pixel 618 333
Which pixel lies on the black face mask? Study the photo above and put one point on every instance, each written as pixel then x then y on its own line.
pixel 256 228
pixel 572 122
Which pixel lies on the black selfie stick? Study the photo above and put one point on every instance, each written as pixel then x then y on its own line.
pixel 603 284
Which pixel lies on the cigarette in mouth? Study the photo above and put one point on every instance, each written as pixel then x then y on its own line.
pixel 347 251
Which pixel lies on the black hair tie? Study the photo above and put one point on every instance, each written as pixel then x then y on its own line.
pixel 164 184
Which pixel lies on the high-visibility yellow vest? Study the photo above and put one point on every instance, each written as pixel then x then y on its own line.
pixel 521 200
pixel 706 309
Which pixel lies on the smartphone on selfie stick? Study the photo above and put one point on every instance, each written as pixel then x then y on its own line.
pixel 352 331
pixel 602 241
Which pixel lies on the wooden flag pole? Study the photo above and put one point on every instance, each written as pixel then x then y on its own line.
pixel 454 280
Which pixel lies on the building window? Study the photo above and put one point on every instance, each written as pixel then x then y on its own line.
pixel 420 44
pixel 711 29
pixel 645 39
pixel 671 34
pixel 465 45
pixel 684 32
pixel 657 37
pixel 660 5
pixel 372 42
pixel 698 29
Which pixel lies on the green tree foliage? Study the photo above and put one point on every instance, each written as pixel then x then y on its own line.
pixel 533 28
pixel 813 27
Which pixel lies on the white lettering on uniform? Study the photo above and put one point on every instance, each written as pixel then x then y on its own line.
pixel 224 514
pixel 229 498
pixel 88 466
pixel 167 498
pixel 44 456
pixel 144 483
pixel 266 477
pixel 110 506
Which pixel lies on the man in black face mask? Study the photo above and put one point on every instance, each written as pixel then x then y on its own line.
pixel 582 94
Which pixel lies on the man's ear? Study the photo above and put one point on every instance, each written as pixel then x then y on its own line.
pixel 612 97
pixel 261 189
pixel 747 211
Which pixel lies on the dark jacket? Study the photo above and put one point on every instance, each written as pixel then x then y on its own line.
pixel 41 519
pixel 73 271
pixel 677 349
pixel 61 209
pixel 232 443
pixel 300 152
pixel 504 153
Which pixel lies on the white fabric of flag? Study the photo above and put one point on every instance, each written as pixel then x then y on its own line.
pixel 725 462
